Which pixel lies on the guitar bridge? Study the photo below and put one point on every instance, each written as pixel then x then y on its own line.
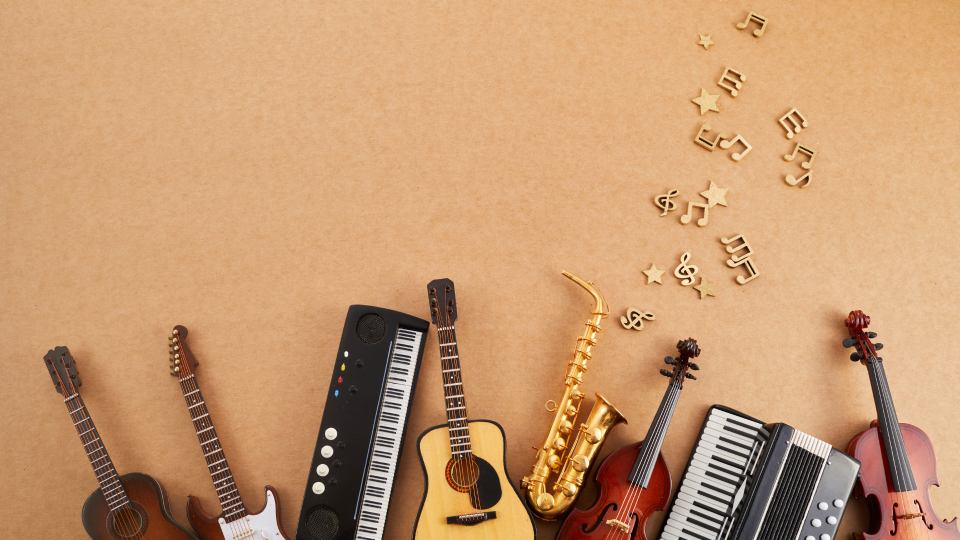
pixel 471 519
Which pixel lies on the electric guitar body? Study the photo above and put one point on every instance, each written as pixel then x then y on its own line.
pixel 148 499
pixel 616 493
pixel 444 498
pixel 210 527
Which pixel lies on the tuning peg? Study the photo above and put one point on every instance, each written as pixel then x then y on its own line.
pixel 669 361
pixel 689 376
pixel 849 343
pixel 174 373
pixel 170 337
pixel 856 357
pixel 878 346
pixel 666 373
pixel 871 335
pixel 693 366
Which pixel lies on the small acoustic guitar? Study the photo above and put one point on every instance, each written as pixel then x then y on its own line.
pixel 132 506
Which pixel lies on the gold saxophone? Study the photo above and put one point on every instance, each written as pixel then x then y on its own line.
pixel 572 468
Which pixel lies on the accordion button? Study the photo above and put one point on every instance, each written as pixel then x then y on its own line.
pixel 810 538
pixel 318 488
pixel 824 537
pixel 816 522
pixel 838 503
pixel 823 506
pixel 832 520
pixel 323 469
pixel 326 451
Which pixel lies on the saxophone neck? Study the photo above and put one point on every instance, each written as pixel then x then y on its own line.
pixel 601 309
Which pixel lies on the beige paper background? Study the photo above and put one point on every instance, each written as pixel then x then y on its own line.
pixel 251 170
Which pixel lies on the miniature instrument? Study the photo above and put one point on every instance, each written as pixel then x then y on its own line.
pixel 467 493
pixel 552 457
pixel 125 507
pixel 747 480
pixel 899 464
pixel 234 522
pixel 635 481
pixel 364 425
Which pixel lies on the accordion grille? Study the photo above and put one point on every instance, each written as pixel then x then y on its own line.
pixel 795 487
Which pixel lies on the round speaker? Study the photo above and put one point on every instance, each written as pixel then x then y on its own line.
pixel 371 328
pixel 322 523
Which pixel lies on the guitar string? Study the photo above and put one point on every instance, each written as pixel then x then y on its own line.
pixel 124 527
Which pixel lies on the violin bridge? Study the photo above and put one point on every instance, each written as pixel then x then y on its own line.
pixel 619 525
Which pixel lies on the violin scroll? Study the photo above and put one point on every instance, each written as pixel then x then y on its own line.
pixel 856 322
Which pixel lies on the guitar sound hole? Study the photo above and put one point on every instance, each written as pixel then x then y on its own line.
pixel 128 522
pixel 462 474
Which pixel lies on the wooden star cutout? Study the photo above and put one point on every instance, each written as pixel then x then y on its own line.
pixel 653 275
pixel 706 102
pixel 714 195
pixel 705 41
pixel 706 288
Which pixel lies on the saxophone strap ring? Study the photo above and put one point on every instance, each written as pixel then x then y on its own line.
pixel 547 406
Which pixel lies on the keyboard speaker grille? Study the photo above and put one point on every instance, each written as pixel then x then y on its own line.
pixel 322 524
pixel 371 328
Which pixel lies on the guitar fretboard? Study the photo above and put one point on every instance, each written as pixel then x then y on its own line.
pixel 456 404
pixel 223 482
pixel 102 465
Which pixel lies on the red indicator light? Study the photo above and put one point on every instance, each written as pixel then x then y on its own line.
pixel 339 380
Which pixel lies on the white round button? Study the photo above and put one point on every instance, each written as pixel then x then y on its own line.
pixel 326 451
pixel 838 503
pixel 331 434
pixel 318 487
pixel 832 520
pixel 323 470
pixel 816 522
pixel 810 538
pixel 823 506
pixel 824 537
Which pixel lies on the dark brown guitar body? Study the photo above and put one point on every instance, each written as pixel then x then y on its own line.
pixel 208 527
pixel 874 484
pixel 612 479
pixel 153 510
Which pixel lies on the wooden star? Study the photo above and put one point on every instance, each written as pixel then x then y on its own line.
pixel 653 275
pixel 706 102
pixel 706 288
pixel 705 41
pixel 715 195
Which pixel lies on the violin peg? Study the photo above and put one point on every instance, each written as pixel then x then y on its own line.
pixel 878 346
pixel 669 361
pixel 689 376
pixel 871 335
pixel 666 373
pixel 847 343
pixel 693 366
pixel 856 357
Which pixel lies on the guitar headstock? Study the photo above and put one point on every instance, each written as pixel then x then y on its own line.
pixel 182 361
pixel 688 349
pixel 63 370
pixel 856 323
pixel 443 302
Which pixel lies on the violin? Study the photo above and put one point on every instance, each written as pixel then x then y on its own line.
pixel 898 464
pixel 634 481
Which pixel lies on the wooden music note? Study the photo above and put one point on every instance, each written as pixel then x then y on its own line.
pixel 794 181
pixel 664 202
pixel 685 272
pixel 762 21
pixel 796 127
pixel 801 148
pixel 736 156
pixel 689 215
pixel 734 260
pixel 748 262
pixel 706 142
pixel 737 84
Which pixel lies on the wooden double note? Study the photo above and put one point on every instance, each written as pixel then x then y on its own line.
pixel 705 142
pixel 762 21
pixel 731 75
pixel 743 259
pixel 689 215
pixel 806 165
pixel 737 156
pixel 797 122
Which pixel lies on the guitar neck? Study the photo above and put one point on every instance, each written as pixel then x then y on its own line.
pixel 220 472
pixel 102 465
pixel 643 467
pixel 896 453
pixel 456 404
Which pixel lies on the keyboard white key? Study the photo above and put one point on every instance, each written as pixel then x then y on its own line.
pixel 389 429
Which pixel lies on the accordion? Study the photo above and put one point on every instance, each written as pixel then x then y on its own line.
pixel 747 480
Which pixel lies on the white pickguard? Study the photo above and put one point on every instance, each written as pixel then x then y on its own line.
pixel 262 526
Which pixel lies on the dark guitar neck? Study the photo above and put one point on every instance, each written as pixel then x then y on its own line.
pixel 896 452
pixel 102 465
pixel 220 472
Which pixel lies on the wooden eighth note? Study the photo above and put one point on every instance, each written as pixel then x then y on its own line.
pixel 808 151
pixel 743 259
pixel 706 142
pixel 737 84
pixel 762 21
pixel 737 156
pixel 795 128
pixel 794 181
pixel 689 215
pixel 748 263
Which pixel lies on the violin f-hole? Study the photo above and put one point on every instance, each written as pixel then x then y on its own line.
pixel 583 528
pixel 893 512
pixel 923 515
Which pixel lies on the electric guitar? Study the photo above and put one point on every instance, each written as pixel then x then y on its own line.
pixel 893 457
pixel 467 493
pixel 125 507
pixel 635 481
pixel 234 522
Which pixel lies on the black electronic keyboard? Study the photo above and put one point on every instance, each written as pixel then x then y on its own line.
pixel 363 427
pixel 747 480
